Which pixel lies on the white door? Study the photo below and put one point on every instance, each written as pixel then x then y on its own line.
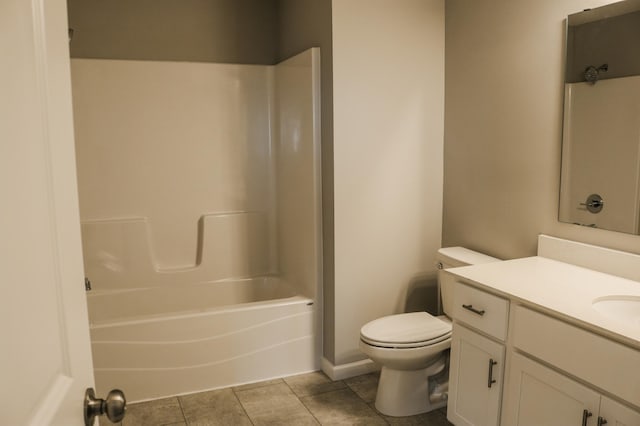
pixel 613 413
pixel 45 356
pixel 540 396
pixel 475 379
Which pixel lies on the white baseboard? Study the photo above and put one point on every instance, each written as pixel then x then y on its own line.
pixel 344 371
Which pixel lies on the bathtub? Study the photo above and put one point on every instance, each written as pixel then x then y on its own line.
pixel 171 340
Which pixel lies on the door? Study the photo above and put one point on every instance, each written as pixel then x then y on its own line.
pixel 539 396
pixel 613 413
pixel 45 358
pixel 475 379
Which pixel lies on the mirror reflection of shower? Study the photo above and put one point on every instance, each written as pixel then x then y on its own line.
pixel 601 151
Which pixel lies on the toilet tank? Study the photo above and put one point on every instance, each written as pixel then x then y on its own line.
pixel 451 257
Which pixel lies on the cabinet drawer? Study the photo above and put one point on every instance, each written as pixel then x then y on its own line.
pixel 481 310
pixel 602 362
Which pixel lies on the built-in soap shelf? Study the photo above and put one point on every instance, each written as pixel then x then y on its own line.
pixel 118 253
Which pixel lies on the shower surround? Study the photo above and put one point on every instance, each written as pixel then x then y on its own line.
pixel 200 205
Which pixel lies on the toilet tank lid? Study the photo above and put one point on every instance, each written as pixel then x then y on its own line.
pixel 460 256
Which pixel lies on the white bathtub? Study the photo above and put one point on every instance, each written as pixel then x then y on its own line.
pixel 171 340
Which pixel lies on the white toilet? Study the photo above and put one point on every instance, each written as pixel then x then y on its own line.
pixel 413 349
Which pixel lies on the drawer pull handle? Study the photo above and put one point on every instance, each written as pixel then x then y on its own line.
pixel 491 380
pixel 474 310
pixel 602 421
pixel 585 415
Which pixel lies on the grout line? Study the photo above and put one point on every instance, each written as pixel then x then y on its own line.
pixel 348 388
pixel 184 417
pixel 319 392
pixel 372 405
pixel 255 385
pixel 302 402
pixel 242 405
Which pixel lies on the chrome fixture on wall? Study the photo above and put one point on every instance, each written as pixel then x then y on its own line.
pixel 594 203
pixel 592 74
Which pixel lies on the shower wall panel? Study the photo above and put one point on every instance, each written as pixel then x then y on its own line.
pixel 297 148
pixel 178 144
pixel 200 206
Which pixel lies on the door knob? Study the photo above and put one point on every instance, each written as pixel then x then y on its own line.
pixel 114 406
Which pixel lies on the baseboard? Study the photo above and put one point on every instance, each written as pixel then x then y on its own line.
pixel 344 371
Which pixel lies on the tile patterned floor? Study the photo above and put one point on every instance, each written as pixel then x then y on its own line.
pixel 308 399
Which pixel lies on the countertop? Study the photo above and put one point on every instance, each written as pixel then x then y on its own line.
pixel 560 289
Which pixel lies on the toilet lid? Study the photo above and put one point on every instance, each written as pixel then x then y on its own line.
pixel 405 330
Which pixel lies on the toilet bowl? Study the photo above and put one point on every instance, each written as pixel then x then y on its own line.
pixel 413 350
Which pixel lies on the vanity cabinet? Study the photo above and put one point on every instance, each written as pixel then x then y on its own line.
pixel 537 395
pixel 475 378
pixel 514 364
pixel 616 414
pixel 477 357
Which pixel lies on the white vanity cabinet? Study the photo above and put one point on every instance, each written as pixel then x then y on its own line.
pixel 527 351
pixel 477 357
pixel 537 395
pixel 613 413
pixel 475 378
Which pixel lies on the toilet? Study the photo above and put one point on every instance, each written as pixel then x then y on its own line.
pixel 413 349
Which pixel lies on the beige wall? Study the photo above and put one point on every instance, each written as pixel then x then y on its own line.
pixel 303 24
pixel 388 70
pixel 503 126
pixel 232 31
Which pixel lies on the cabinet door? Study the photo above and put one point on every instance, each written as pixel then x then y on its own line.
pixel 539 396
pixel 475 380
pixel 616 414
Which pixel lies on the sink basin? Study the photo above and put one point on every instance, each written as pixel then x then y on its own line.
pixel 620 308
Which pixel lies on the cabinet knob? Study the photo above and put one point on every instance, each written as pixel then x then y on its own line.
pixel 602 421
pixel 585 416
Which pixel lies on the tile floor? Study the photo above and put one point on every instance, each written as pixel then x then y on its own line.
pixel 307 399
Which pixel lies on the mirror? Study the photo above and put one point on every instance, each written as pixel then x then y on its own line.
pixel 600 184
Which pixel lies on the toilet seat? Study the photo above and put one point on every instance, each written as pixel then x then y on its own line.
pixel 411 330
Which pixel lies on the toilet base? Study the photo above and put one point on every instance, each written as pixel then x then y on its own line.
pixel 406 392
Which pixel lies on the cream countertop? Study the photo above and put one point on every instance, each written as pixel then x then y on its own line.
pixel 559 289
